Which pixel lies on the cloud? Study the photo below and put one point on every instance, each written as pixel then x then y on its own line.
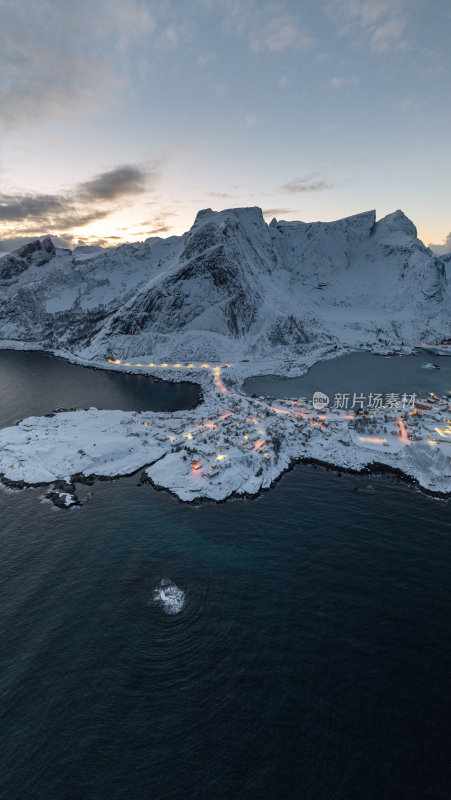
pixel 308 184
pixel 338 82
pixel 47 210
pixel 155 231
pixel 15 208
pixel 30 214
pixel 117 182
pixel 380 23
pixel 60 57
pixel 221 195
pixel 159 224
pixel 277 212
pixel 270 27
pixel 442 249
pixel 45 65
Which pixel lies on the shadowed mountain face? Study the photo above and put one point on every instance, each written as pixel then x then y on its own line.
pixel 231 287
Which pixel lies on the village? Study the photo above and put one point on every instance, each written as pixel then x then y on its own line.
pixel 244 443
pixel 231 443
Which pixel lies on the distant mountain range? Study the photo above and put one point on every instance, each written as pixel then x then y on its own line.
pixel 232 287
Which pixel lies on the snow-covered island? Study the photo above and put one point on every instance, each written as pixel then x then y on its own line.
pixel 230 444
pixel 263 298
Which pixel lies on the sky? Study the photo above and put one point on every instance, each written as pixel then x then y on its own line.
pixel 120 119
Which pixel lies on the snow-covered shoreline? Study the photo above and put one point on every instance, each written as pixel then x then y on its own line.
pixel 229 445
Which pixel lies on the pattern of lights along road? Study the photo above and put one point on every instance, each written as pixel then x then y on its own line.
pixel 403 436
pixel 297 410
pixel 217 379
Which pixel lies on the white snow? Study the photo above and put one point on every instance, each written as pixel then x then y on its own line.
pixel 231 288
pixel 268 299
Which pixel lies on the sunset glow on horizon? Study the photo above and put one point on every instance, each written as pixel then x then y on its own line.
pixel 120 120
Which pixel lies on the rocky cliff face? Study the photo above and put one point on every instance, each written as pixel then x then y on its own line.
pixel 38 253
pixel 231 287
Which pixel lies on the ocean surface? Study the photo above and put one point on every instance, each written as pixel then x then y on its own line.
pixel 361 373
pixel 291 646
pixel 37 383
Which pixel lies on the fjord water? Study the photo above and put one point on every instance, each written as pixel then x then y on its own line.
pixel 310 659
pixel 361 373
pixel 35 383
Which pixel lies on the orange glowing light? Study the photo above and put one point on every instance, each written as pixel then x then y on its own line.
pixel 372 439
pixel 210 425
pixel 445 432
pixel 315 424
pixel 196 465
pixel 279 410
pixel 217 380
pixel 403 436
pixel 259 444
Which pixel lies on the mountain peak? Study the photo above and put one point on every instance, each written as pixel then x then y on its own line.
pixel 37 252
pixel 36 246
pixel 244 214
pixel 397 222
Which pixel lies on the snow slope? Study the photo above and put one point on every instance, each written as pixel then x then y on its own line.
pixel 232 287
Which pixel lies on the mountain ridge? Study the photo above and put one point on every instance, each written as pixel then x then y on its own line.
pixel 232 286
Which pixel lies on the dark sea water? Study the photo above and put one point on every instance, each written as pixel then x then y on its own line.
pixel 311 658
pixel 361 373
pixel 37 383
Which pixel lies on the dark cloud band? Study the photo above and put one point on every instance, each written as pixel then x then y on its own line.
pixel 87 202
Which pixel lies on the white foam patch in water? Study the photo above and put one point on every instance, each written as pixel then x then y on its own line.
pixel 169 596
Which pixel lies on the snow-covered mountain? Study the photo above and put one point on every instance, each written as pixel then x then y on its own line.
pixel 232 287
